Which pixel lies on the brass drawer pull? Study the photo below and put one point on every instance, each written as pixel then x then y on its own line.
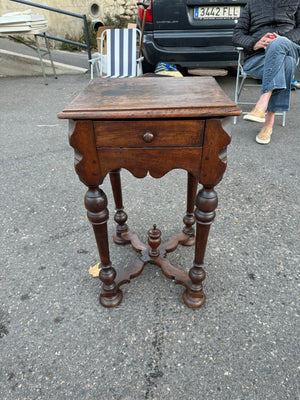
pixel 148 137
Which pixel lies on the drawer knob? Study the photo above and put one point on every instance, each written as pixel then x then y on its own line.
pixel 148 137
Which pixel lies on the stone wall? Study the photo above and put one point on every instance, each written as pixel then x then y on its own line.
pixel 60 25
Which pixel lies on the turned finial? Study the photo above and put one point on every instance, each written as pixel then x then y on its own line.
pixel 154 241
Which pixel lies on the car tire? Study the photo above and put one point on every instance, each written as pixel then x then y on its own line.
pixel 147 67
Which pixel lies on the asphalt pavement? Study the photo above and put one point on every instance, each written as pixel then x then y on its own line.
pixel 77 59
pixel 57 342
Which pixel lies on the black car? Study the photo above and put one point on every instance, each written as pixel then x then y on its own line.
pixel 190 33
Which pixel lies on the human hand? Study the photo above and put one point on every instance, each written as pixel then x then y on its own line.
pixel 265 40
pixel 274 36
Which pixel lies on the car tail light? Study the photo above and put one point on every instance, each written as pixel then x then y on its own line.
pixel 148 12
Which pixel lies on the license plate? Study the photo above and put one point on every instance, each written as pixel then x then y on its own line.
pixel 213 12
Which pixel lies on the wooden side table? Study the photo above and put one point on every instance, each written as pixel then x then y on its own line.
pixel 151 125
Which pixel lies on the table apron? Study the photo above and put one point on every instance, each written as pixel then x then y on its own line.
pixel 156 161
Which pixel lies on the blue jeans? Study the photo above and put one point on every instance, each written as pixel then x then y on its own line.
pixel 276 68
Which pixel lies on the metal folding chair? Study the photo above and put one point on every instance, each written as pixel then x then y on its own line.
pixel 118 57
pixel 242 79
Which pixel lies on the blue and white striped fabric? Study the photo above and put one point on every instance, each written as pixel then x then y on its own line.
pixel 121 53
pixel 118 58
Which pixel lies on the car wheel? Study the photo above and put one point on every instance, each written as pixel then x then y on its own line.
pixel 147 67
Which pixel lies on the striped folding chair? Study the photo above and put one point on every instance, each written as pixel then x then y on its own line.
pixel 118 57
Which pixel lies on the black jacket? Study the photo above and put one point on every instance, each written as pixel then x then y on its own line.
pixel 262 16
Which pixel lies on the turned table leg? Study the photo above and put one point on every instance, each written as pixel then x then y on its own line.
pixel 97 212
pixel 189 218
pixel 120 215
pixel 206 203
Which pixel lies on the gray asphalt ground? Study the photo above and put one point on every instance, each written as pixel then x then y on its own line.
pixel 57 342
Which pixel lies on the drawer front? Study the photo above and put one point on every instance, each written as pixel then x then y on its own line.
pixel 149 133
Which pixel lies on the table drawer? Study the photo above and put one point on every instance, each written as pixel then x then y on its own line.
pixel 149 133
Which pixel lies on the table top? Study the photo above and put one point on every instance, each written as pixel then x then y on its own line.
pixel 151 97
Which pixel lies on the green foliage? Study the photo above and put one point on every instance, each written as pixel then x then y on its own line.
pixel 92 35
pixel 117 21
pixel 69 46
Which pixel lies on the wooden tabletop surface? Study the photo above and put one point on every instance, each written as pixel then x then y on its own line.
pixel 151 97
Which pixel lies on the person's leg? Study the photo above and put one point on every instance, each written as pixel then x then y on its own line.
pixel 276 69
pixel 264 136
pixel 263 101
pixel 254 67
pixel 270 119
pixel 280 63
pixel 280 99
pixel 277 77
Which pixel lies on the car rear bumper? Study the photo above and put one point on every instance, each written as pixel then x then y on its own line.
pixel 204 56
